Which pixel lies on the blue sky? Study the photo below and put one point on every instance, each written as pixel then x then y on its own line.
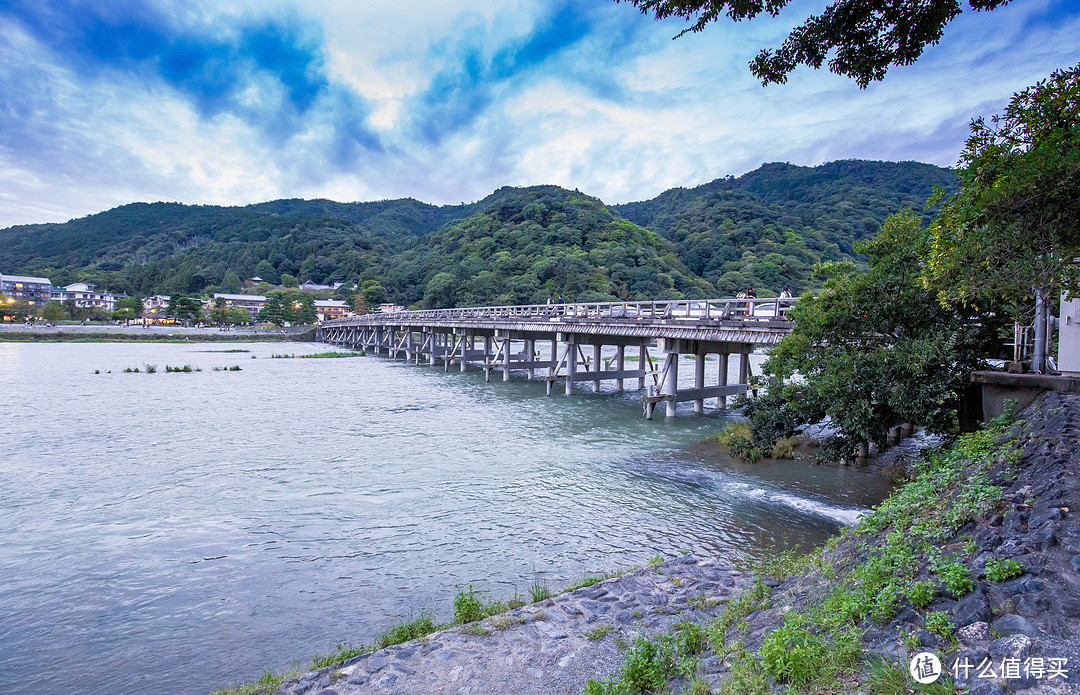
pixel 237 101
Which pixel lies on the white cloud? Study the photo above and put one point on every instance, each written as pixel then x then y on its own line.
pixel 623 121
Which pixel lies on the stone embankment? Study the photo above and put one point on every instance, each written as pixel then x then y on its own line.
pixel 546 648
pixel 1017 634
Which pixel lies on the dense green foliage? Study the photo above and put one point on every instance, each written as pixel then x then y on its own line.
pixel 862 39
pixel 1013 227
pixel 767 228
pixel 528 244
pixel 875 349
pixel 770 227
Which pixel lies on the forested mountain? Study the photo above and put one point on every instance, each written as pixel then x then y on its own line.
pixel 525 244
pixel 766 228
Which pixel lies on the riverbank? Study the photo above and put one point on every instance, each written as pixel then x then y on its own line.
pixel 154 334
pixel 975 560
pixel 555 645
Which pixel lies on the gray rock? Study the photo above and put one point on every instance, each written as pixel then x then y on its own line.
pixel 1041 538
pixel 974 633
pixel 387 680
pixel 1041 517
pixel 986 688
pixel 377 663
pixel 1012 624
pixel 973 608
pixel 324 682
pixel 1076 563
pixel 1013 646
pixel 309 676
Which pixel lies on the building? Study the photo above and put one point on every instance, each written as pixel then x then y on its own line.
pixel 251 303
pixel 36 291
pixel 85 295
pixel 389 308
pixel 331 309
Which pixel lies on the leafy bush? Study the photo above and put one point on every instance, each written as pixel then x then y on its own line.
pixel 921 594
pixel 956 578
pixel 939 623
pixel 793 654
pixel 468 606
pixel 1002 570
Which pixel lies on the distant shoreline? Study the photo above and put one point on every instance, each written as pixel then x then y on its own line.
pixel 96 335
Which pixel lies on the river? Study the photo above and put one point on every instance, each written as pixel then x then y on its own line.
pixel 180 532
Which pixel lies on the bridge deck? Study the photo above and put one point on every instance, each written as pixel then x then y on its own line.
pixel 678 327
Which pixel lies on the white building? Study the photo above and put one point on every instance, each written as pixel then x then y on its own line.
pixel 331 309
pixel 82 294
pixel 249 302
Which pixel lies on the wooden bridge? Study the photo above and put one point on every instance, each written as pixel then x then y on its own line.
pixel 564 342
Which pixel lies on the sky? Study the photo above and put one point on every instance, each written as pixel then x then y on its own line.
pixel 107 102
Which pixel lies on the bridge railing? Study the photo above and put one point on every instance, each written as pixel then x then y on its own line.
pixel 676 310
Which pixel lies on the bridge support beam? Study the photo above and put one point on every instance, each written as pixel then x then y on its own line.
pixel 699 381
pixel 721 401
pixel 620 365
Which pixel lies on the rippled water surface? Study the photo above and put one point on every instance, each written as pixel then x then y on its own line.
pixel 179 532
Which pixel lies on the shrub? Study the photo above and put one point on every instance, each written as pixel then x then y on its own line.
pixel 921 594
pixel 690 638
pixel 1002 570
pixel 939 623
pixel 956 578
pixel 793 654
pixel 468 606
pixel 644 669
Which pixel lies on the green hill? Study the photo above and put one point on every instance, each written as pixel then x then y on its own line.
pixel 766 228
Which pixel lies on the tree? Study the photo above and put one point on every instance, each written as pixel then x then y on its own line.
pixel 12 309
pixel 440 291
pixel 293 307
pixel 265 270
pixel 274 310
pixel 374 293
pixel 128 308
pixel 1012 231
pixel 307 268
pixel 864 37
pixel 53 311
pixel 288 280
pixel 231 283
pixel 184 308
pixel 219 314
pixel 875 349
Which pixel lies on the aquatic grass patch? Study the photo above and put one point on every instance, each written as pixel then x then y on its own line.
pixel 539 591
pixel 268 682
pixel 338 654
pixel 399 633
pixel 187 368
pixel 472 605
